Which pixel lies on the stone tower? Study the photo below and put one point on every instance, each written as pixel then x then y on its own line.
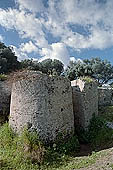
pixel 42 103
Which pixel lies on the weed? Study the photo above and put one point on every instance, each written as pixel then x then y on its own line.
pixel 87 79
pixel 3 77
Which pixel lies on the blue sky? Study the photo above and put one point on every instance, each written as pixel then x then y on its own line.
pixel 58 29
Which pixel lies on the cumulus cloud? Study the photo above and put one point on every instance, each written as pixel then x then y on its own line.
pixel 26 24
pixel 56 51
pixel 21 55
pixel 76 24
pixel 28 47
pixel 1 38
pixel 31 5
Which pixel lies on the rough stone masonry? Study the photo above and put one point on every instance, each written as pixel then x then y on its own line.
pixel 85 102
pixel 105 96
pixel 44 104
pixel 5 93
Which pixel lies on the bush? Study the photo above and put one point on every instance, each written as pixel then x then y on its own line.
pixel 28 152
pixel 33 147
pixel 67 146
pixel 19 152
pixel 99 135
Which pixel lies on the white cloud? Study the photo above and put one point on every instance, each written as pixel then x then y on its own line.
pixel 28 47
pixel 72 59
pixel 26 24
pixel 21 55
pixel 32 5
pixel 78 60
pixel 56 51
pixel 1 38
pixel 91 22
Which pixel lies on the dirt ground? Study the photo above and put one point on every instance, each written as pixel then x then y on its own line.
pixel 104 162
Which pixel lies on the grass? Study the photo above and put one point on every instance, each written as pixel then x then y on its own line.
pixel 26 152
pixel 16 153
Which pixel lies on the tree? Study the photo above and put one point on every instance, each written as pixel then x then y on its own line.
pixel 48 66
pixel 101 70
pixel 8 60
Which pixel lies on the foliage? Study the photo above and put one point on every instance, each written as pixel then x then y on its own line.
pixel 33 148
pixel 101 70
pixel 8 60
pixel 66 146
pixel 27 152
pixel 19 152
pixel 3 77
pixel 106 112
pixel 77 69
pixel 87 79
pixel 99 135
pixel 48 66
pixel 15 150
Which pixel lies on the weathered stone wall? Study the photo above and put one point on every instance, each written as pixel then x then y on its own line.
pixel 5 92
pixel 85 102
pixel 105 96
pixel 42 103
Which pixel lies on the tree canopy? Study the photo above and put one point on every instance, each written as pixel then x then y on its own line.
pixel 101 70
pixel 8 60
pixel 48 66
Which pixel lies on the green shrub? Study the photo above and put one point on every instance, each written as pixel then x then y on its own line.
pixel 67 146
pixel 106 112
pixel 87 79
pixel 27 152
pixel 19 152
pixel 99 135
pixel 33 147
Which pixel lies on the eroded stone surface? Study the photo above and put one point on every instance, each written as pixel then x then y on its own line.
pixel 85 101
pixel 42 103
pixel 105 96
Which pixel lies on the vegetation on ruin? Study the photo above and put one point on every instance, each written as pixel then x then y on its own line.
pixel 3 77
pixel 87 79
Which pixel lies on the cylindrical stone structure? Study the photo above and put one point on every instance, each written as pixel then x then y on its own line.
pixel 44 104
